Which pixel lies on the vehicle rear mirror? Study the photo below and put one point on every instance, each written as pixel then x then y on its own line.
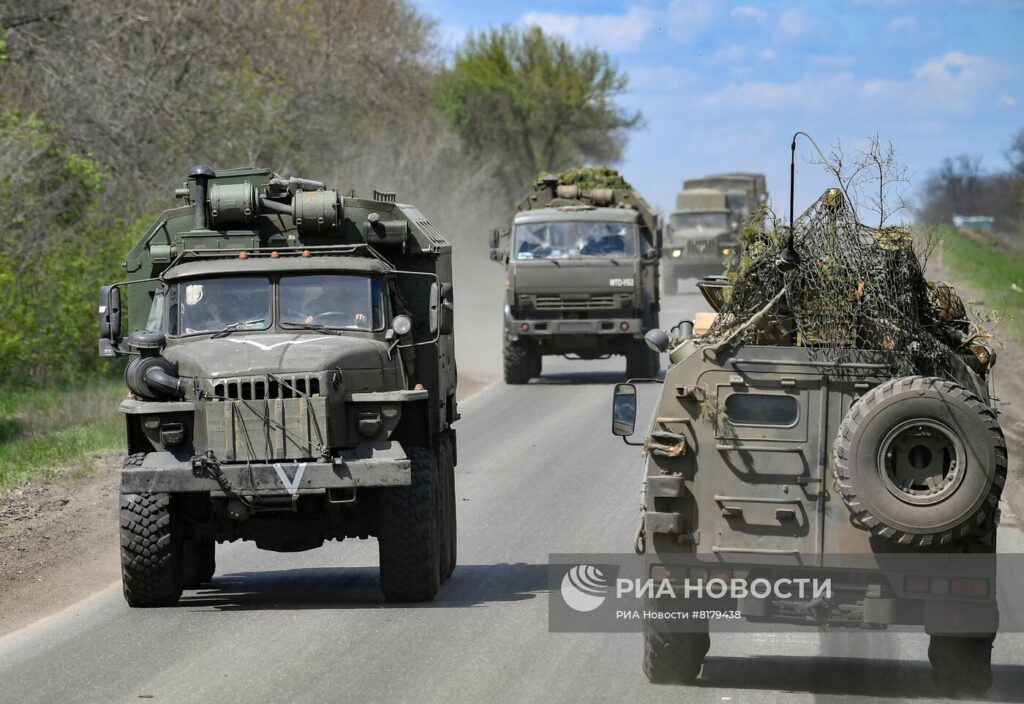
pixel 435 308
pixel 447 322
pixel 109 313
pixel 495 238
pixel 624 410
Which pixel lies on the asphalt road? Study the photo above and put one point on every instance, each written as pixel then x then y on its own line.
pixel 539 472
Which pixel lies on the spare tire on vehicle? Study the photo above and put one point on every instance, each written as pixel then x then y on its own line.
pixel 920 461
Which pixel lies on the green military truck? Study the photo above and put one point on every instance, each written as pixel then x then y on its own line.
pixel 582 274
pixel 292 380
pixel 834 420
pixel 701 237
pixel 745 193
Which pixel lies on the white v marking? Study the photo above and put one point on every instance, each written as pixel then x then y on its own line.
pixel 291 485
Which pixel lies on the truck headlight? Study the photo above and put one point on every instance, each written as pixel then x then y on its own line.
pixel 676 253
pixel 726 251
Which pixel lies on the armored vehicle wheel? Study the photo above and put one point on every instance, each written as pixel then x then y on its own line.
pixel 920 461
pixel 961 664
pixel 674 658
pixel 449 536
pixel 519 361
pixel 669 284
pixel 641 361
pixel 407 533
pixel 199 562
pixel 151 559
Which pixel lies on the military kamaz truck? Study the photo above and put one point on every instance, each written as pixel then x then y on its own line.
pixel 582 274
pixel 745 192
pixel 701 237
pixel 291 380
pixel 833 421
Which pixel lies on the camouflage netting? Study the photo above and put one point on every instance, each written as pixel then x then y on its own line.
pixel 586 177
pixel 853 287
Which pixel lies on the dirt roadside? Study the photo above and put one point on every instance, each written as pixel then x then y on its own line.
pixel 59 542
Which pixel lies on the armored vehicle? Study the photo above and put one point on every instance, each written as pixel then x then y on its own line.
pixel 582 274
pixel 834 419
pixel 701 237
pixel 292 380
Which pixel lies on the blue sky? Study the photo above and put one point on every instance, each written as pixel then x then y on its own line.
pixel 723 84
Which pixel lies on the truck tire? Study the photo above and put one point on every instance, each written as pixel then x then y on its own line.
pixel 199 562
pixel 961 665
pixel 519 362
pixel 151 558
pixel 674 658
pixel 906 475
pixel 446 470
pixel 641 361
pixel 407 533
pixel 537 365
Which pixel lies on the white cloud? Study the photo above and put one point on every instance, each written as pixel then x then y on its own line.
pixel 952 83
pixel 767 55
pixel 688 18
pixel 746 12
pixel 811 93
pixel 902 23
pixel 728 54
pixel 1007 100
pixel 795 23
pixel 832 61
pixel 610 32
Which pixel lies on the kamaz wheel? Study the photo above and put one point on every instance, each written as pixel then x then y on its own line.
pixel 199 562
pixel 151 558
pixel 674 658
pixel 407 533
pixel 920 461
pixel 641 361
pixel 519 361
pixel 446 470
pixel 961 665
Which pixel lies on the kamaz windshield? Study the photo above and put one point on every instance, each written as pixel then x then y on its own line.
pixel 565 240
pixel 702 221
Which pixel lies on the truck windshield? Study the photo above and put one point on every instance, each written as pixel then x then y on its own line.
pixel 349 301
pixel 694 221
pixel 215 304
pixel 564 240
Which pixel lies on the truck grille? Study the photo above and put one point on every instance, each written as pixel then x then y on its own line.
pixel 276 429
pixel 570 302
pixel 701 247
pixel 259 388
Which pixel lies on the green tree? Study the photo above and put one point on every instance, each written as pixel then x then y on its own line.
pixel 536 103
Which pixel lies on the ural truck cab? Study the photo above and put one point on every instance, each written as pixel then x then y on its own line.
pixel 702 237
pixel 581 260
pixel 292 380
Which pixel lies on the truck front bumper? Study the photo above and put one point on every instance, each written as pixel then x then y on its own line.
pixel 554 327
pixel 369 465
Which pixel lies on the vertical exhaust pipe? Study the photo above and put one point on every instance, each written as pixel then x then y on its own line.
pixel 201 175
pixel 551 184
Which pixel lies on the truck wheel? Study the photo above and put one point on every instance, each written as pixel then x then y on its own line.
pixel 669 284
pixel 537 366
pixel 199 562
pixel 407 533
pixel 961 665
pixel 920 461
pixel 151 558
pixel 519 362
pixel 446 470
pixel 674 658
pixel 641 361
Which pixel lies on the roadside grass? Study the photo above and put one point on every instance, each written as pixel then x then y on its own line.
pixel 47 434
pixel 982 261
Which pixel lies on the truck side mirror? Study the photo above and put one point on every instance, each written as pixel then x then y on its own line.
pixel 434 319
pixel 109 312
pixel 447 322
pixel 624 410
pixel 495 238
